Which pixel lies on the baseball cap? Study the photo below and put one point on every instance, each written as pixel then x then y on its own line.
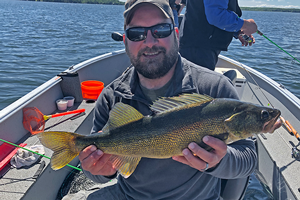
pixel 131 5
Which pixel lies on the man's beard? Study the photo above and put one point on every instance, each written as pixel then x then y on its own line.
pixel 155 68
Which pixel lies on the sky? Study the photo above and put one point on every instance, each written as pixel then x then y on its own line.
pixel 270 3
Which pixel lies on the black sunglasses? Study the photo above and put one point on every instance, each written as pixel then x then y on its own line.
pixel 136 34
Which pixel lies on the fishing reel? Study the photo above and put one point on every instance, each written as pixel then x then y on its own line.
pixel 244 36
pixel 295 153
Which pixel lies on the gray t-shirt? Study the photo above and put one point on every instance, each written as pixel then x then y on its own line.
pixel 154 94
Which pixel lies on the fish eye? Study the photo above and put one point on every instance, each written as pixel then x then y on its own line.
pixel 264 114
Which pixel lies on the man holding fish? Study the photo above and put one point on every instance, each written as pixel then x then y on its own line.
pixel 151 42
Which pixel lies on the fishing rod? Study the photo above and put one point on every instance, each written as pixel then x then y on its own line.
pixel 35 153
pixel 286 123
pixel 261 34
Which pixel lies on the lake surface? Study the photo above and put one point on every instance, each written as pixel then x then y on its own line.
pixel 38 40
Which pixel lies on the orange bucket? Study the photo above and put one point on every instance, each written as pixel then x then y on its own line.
pixel 91 89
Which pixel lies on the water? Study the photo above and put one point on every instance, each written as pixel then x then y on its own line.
pixel 38 40
pixel 282 28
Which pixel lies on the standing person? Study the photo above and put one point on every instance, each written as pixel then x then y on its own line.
pixel 151 42
pixel 182 5
pixel 173 5
pixel 208 27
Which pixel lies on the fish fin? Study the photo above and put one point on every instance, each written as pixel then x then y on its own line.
pixel 125 164
pixel 63 145
pixel 120 115
pixel 166 104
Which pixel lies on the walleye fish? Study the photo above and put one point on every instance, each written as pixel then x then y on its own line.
pixel 178 121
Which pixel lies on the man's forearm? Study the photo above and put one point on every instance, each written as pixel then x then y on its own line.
pixel 239 162
pixel 217 14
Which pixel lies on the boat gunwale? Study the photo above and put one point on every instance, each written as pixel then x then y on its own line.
pixel 29 97
pixel 14 107
pixel 284 91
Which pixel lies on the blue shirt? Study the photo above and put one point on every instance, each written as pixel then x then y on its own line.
pixel 217 15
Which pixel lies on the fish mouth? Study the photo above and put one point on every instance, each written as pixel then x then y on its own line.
pixel 272 125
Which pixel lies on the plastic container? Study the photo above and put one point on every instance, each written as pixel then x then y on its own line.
pixel 91 89
pixel 61 104
pixel 70 100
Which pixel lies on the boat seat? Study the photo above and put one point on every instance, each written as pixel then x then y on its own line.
pixel 231 74
pixel 234 189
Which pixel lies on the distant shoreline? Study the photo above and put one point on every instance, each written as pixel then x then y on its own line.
pixel 117 2
pixel 295 10
pixel 109 2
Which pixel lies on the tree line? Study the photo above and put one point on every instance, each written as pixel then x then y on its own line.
pixel 271 9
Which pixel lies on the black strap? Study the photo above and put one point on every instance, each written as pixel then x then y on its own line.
pixel 39 171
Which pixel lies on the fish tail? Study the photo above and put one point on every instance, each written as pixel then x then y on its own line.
pixel 63 145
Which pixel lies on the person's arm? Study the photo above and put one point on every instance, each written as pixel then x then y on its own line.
pixel 217 15
pixel 237 160
pixel 182 5
pixel 101 111
pixel 94 163
pixel 240 161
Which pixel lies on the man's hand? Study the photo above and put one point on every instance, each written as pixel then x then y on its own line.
pixel 249 27
pixel 271 129
pixel 96 162
pixel 197 157
pixel 246 43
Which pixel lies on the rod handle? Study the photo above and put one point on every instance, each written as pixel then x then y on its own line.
pixel 286 126
pixel 68 113
pixel 259 33
pixel 293 130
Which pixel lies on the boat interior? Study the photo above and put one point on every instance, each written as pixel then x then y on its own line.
pixel 276 166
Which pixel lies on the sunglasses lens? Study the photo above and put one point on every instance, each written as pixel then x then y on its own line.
pixel 140 33
pixel 136 34
pixel 161 31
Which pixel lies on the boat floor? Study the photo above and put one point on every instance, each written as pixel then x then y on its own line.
pixel 282 167
pixel 19 183
pixel 275 162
